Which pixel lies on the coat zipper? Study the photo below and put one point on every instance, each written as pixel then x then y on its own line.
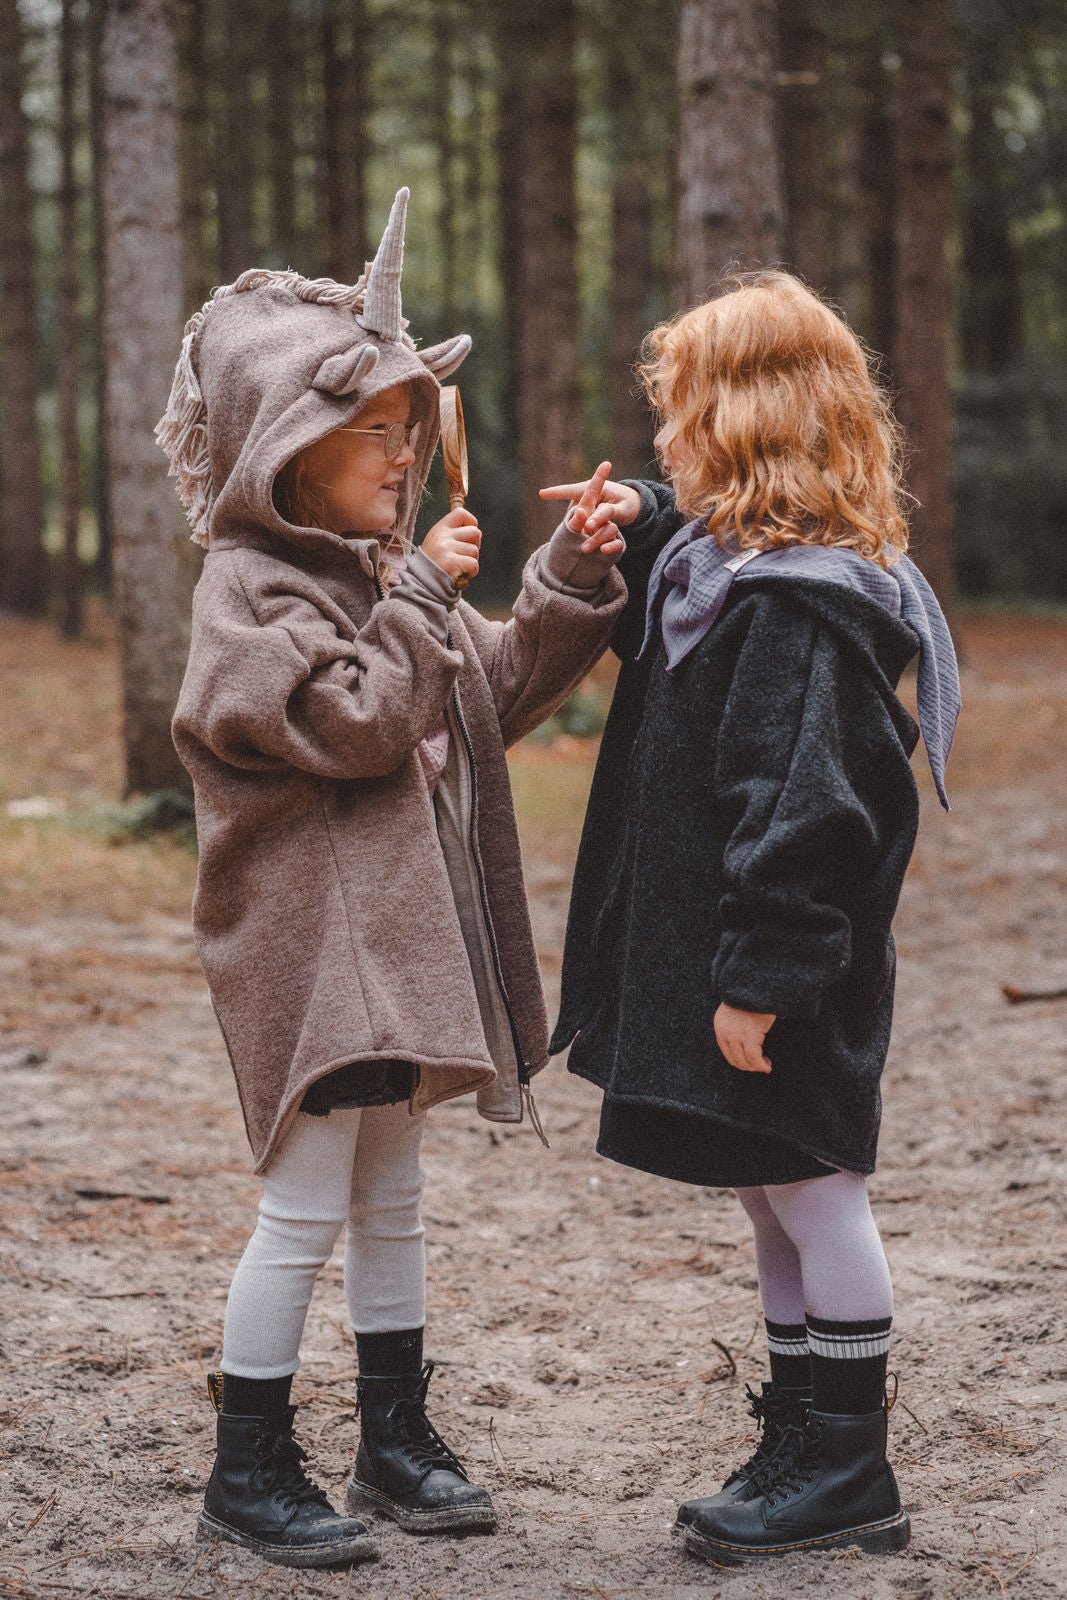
pixel 523 1065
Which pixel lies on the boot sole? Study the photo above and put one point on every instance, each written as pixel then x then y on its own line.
pixel 876 1538
pixel 339 1552
pixel 446 1519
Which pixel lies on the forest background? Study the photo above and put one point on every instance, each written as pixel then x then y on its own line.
pixel 579 168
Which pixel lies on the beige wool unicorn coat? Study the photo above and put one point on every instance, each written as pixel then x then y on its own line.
pixel 330 925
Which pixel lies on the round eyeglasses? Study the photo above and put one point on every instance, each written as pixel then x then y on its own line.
pixel 396 436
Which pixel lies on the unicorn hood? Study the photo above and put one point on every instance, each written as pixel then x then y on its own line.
pixel 275 361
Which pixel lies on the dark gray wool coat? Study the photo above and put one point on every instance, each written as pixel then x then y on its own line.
pixel 750 822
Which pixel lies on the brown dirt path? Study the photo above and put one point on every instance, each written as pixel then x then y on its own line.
pixel 581 1313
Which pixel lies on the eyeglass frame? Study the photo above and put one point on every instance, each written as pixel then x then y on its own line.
pixel 383 433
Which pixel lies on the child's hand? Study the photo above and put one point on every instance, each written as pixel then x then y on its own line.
pixel 740 1036
pixel 454 543
pixel 599 508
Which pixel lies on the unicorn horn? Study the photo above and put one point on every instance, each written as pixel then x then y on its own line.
pixel 381 305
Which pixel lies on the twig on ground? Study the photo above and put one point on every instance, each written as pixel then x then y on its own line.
pixel 1016 996
pixel 45 1509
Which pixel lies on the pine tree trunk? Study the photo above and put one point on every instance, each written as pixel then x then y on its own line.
pixel 194 154
pixel 728 194
pixel 235 143
pixel 862 278
pixel 802 136
pixel 508 143
pixel 923 298
pixel 101 485
pixel 344 137
pixel 70 620
pixel 631 264
pixel 444 31
pixel 542 39
pixel 24 574
pixel 991 313
pixel 152 557
pixel 281 104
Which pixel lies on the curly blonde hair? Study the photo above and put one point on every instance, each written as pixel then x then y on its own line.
pixel 781 433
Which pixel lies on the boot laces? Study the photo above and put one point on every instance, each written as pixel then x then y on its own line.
pixel 792 1464
pixel 281 1465
pixel 424 1445
pixel 757 1408
pixel 766 1410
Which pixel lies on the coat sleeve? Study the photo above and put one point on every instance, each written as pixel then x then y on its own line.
pixel 292 690
pixel 790 750
pixel 658 521
pixel 547 645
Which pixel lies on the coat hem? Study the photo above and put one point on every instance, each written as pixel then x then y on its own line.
pixel 836 1162
pixel 291 1106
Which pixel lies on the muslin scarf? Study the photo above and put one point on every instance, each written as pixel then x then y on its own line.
pixel 694 573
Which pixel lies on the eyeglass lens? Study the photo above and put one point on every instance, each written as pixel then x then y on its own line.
pixel 397 436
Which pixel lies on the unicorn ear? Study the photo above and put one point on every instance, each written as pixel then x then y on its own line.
pixel 342 373
pixel 381 304
pixel 443 359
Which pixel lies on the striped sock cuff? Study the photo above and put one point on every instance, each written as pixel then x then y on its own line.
pixel 787 1338
pixel 849 1341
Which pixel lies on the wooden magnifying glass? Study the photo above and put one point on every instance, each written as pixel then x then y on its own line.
pixel 454 454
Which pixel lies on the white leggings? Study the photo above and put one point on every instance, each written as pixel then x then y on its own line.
pixel 359 1167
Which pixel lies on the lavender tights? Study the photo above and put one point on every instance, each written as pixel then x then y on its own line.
pixel 818 1250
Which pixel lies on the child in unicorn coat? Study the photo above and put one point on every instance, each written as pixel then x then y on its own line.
pixel 360 911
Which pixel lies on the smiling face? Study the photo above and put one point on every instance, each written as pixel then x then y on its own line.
pixel 347 474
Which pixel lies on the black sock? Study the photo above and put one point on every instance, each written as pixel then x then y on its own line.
pixel 255 1397
pixel 787 1345
pixel 389 1355
pixel 848 1362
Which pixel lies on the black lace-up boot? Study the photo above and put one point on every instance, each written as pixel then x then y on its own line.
pixel 403 1466
pixel 829 1485
pixel 259 1496
pixel 775 1410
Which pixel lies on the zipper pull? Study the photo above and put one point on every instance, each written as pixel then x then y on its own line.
pixel 535 1116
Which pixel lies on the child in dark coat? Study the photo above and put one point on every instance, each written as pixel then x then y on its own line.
pixel 729 964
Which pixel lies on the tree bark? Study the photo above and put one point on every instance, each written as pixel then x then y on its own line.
pixel 631 262
pixel 235 143
pixel 344 136
pixel 153 559
pixel 923 297
pixel 24 577
pixel 862 275
pixel 542 39
pixel 281 103
pixel 101 486
pixel 444 29
pixel 508 143
pixel 802 136
pixel 70 619
pixel 194 158
pixel 991 313
pixel 729 208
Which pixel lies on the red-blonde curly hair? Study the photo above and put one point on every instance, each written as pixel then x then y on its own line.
pixel 779 430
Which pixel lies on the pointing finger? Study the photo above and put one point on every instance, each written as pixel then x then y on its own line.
pixel 564 491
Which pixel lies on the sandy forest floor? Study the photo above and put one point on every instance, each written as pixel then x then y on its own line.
pixel 594 1328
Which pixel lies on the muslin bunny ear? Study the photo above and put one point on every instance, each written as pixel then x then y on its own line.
pixel 443 359
pixel 381 306
pixel 342 373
